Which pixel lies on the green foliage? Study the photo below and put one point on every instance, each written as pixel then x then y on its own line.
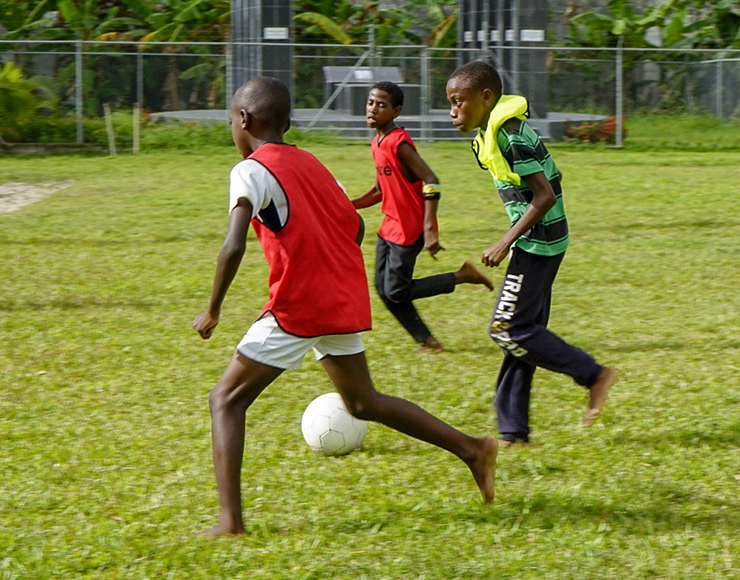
pixel 21 100
pixel 178 20
pixel 56 130
pixel 325 24
pixel 418 21
pixel 106 458
pixel 594 29
pixel 682 24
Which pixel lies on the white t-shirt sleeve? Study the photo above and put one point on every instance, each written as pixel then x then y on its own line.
pixel 251 180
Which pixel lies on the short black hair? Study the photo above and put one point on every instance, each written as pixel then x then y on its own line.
pixel 266 98
pixel 479 75
pixel 394 92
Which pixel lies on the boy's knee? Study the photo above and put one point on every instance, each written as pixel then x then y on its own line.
pixel 217 397
pixel 501 333
pixel 361 408
pixel 396 294
pixel 223 396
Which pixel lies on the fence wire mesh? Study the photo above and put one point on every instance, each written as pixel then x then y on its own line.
pixel 188 77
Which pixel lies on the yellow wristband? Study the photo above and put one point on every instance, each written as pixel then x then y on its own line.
pixel 432 191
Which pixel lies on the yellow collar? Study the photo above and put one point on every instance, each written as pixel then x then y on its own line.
pixel 485 143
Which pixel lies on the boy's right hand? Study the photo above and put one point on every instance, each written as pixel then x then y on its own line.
pixel 431 243
pixel 205 323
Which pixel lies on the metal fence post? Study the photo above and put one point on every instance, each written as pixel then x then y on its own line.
pixel 78 88
pixel 140 77
pixel 516 33
pixel 719 88
pixel 619 96
pixel 501 31
pixel 426 92
pixel 229 83
pixel 485 25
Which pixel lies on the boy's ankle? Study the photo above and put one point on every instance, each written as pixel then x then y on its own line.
pixel 430 344
pixel 470 274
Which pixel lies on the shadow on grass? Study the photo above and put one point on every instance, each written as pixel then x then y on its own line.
pixel 715 438
pixel 673 510
pixel 110 242
pixel 77 304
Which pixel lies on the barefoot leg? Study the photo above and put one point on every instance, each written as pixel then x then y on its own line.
pixel 351 377
pixel 470 274
pixel 242 382
pixel 598 393
pixel 484 468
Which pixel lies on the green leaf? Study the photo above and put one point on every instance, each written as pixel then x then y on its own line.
pixel 69 12
pixel 673 33
pixel 191 12
pixel 326 24
pixel 196 72
pixel 160 34
pixel 40 9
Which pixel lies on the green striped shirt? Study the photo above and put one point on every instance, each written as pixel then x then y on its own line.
pixel 526 154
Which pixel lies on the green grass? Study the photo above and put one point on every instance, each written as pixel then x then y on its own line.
pixel 105 461
pixel 684 132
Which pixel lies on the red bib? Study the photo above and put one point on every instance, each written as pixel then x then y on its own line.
pixel 317 280
pixel 403 201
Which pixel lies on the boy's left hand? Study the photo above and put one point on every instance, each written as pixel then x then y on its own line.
pixel 431 243
pixel 494 255
pixel 205 323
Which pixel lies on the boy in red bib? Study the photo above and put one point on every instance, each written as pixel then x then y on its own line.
pixel 318 299
pixel 410 192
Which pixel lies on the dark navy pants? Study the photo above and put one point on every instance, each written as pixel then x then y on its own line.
pixel 394 281
pixel 519 327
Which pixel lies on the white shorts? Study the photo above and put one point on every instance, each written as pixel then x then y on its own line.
pixel 267 343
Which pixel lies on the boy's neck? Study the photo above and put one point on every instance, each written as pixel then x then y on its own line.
pixel 385 129
pixel 266 137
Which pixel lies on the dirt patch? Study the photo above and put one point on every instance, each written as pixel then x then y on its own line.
pixel 14 195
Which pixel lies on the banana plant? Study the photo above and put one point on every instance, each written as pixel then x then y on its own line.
pixel 21 99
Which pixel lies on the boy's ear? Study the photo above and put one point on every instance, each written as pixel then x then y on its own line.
pixel 488 97
pixel 245 119
pixel 397 111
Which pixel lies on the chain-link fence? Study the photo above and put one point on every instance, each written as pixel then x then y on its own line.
pixel 330 82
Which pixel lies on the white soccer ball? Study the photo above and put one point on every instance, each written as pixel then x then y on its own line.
pixel 329 427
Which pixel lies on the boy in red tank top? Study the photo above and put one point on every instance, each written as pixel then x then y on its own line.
pixel 309 232
pixel 409 191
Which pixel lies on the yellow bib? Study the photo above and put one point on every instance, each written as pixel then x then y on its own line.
pixel 486 142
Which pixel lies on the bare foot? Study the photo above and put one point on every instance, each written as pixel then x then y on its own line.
pixel 598 393
pixel 484 468
pixel 223 530
pixel 505 443
pixel 431 344
pixel 470 274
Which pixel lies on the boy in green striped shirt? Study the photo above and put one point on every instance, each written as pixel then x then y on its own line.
pixel 528 182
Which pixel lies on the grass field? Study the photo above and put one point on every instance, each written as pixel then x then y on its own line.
pixel 105 460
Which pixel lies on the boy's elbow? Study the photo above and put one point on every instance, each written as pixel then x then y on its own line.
pixel 551 200
pixel 233 249
pixel 545 199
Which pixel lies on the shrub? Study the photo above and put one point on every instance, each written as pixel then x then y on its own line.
pixel 21 100
pixel 604 131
